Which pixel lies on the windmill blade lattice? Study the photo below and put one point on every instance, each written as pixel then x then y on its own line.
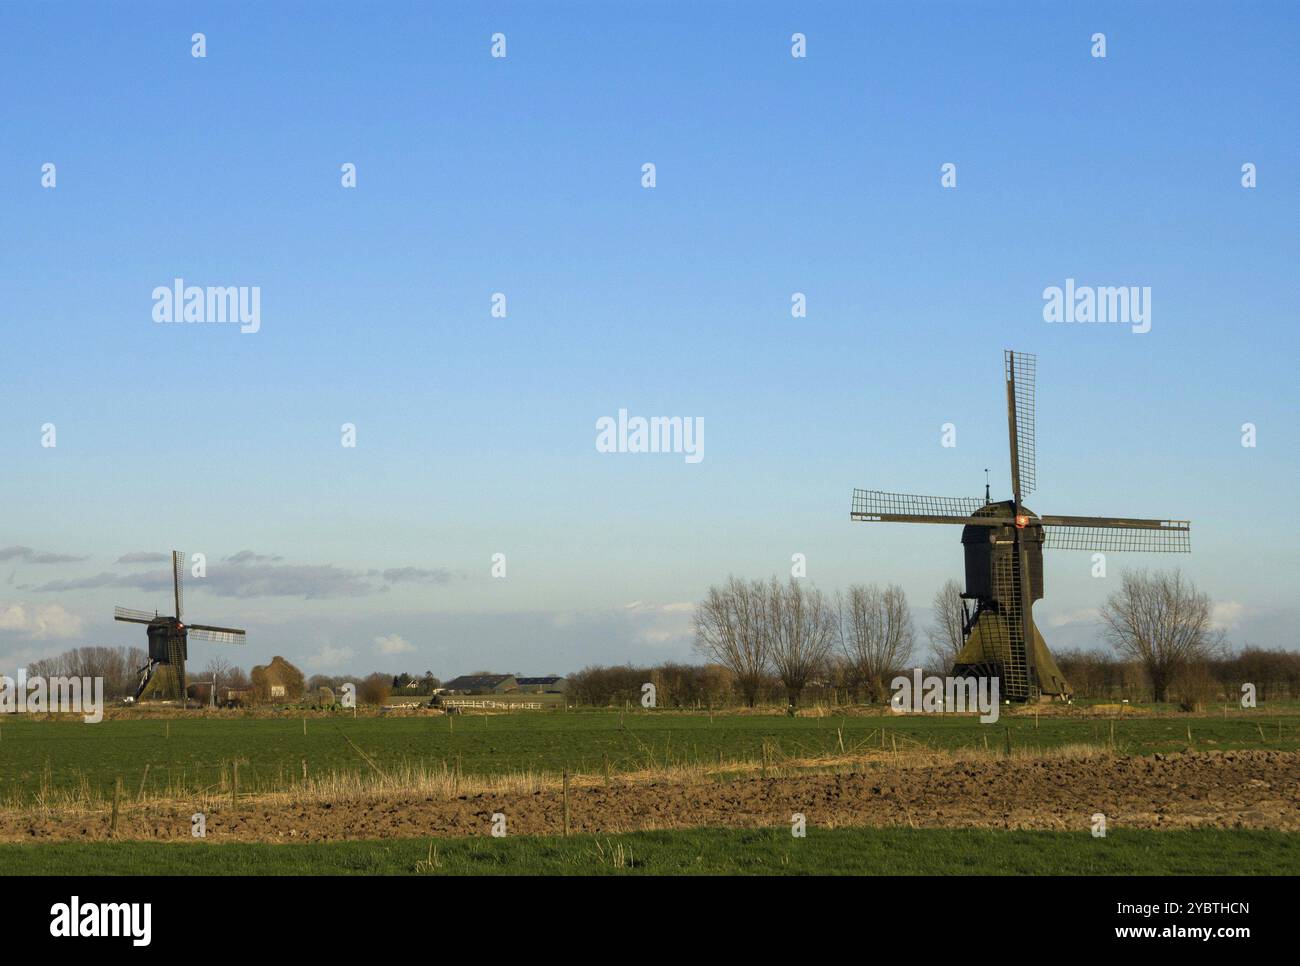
pixel 877 503
pixel 1022 369
pixel 178 574
pixel 1119 539
pixel 218 635
pixel 132 615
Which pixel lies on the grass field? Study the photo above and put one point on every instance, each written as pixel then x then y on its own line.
pixel 40 758
pixel 845 851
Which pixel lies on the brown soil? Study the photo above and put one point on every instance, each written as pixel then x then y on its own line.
pixel 1236 789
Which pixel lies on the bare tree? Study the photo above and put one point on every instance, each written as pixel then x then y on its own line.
pixel 875 632
pixel 1161 621
pixel 948 620
pixel 802 630
pixel 117 667
pixel 218 670
pixel 731 629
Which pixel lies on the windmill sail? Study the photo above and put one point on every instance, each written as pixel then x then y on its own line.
pixel 878 506
pixel 132 616
pixel 219 635
pixel 1021 370
pixel 178 573
pixel 1108 534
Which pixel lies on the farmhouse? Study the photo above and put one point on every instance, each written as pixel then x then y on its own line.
pixel 545 685
pixel 482 684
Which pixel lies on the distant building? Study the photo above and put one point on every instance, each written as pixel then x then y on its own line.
pixel 546 685
pixel 277 681
pixel 482 684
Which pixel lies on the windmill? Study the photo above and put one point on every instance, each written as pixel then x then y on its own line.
pixel 168 636
pixel 1003 544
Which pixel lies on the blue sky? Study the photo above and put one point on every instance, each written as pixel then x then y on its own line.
pixel 476 435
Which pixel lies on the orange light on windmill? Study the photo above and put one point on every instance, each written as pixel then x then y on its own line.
pixel 1022 521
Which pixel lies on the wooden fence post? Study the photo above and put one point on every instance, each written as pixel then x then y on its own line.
pixel 117 795
pixel 566 802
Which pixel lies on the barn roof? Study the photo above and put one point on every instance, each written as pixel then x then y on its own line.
pixel 475 682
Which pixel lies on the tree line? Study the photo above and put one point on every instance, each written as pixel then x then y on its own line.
pixel 774 641
pixel 764 640
pixel 118 666
pixel 1104 675
pixel 792 632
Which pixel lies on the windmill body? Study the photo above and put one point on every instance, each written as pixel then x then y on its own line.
pixel 992 575
pixel 1003 544
pixel 169 639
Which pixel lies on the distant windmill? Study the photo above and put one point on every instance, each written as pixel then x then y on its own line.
pixel 168 635
pixel 1003 545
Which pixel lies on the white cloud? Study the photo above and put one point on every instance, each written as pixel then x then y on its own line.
pixel 248 574
pixel 645 607
pixel 1227 614
pixel 1085 616
pixel 144 557
pixel 40 621
pixel 329 657
pixel 28 555
pixel 659 625
pixel 393 644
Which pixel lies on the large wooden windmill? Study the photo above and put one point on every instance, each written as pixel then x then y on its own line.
pixel 168 637
pixel 1003 544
